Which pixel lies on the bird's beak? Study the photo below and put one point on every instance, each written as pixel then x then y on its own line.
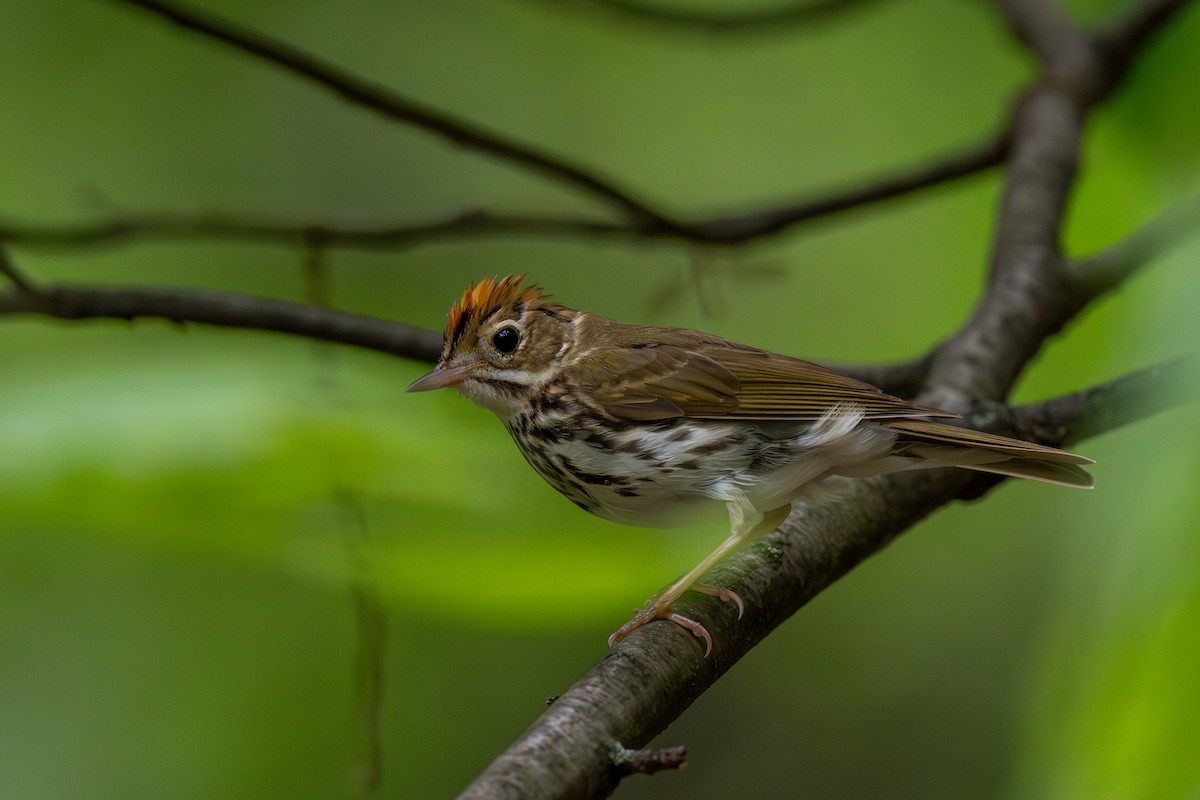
pixel 441 377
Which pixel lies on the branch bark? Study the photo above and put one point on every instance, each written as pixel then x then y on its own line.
pixel 1029 294
pixel 225 309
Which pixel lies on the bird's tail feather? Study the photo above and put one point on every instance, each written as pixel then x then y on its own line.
pixel 986 452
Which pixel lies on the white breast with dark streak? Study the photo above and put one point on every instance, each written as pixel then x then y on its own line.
pixel 658 473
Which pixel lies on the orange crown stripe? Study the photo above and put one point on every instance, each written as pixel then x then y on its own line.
pixel 485 298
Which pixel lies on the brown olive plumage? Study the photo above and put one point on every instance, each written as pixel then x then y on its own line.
pixel 641 424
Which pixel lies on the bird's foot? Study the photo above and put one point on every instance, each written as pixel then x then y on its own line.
pixel 658 609
pixel 650 614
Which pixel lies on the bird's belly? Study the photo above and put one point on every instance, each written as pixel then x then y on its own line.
pixel 652 475
pixel 660 474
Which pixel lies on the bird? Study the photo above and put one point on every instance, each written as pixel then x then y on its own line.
pixel 648 425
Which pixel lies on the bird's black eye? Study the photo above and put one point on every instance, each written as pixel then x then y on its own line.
pixel 506 339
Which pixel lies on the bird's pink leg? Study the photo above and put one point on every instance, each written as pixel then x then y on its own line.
pixel 659 606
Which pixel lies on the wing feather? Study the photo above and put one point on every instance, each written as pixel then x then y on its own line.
pixel 725 381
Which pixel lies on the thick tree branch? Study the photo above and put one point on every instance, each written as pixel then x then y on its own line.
pixel 656 672
pixel 1128 33
pixel 1029 294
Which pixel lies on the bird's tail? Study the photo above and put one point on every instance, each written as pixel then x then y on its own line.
pixel 937 443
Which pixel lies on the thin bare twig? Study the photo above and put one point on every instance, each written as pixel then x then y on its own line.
pixel 778 19
pixel 642 220
pixel 740 228
pixel 235 310
pixel 393 105
pixel 234 228
pixel 1125 36
pixel 226 309
pixel 724 229
pixel 1107 269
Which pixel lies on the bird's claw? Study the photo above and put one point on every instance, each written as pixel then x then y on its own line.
pixel 698 630
pixel 642 616
pixel 656 609
pixel 728 595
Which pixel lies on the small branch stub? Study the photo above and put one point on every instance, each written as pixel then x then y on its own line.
pixel 649 760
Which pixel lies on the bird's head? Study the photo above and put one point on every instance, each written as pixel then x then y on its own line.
pixel 503 343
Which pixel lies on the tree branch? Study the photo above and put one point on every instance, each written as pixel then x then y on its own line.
pixel 650 761
pixel 1045 30
pixel 1128 33
pixel 394 106
pixel 226 309
pixel 1104 271
pixel 1029 293
pixel 1107 406
pixel 226 227
pixel 641 220
pixel 249 312
pixel 744 227
pixel 656 672
pixel 725 229
pixel 771 20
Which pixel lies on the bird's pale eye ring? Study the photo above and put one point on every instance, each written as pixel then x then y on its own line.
pixel 506 340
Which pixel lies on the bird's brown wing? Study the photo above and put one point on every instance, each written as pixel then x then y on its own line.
pixel 724 381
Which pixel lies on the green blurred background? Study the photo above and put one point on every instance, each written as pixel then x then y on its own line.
pixel 179 507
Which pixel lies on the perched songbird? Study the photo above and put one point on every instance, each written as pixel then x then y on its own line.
pixel 640 424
